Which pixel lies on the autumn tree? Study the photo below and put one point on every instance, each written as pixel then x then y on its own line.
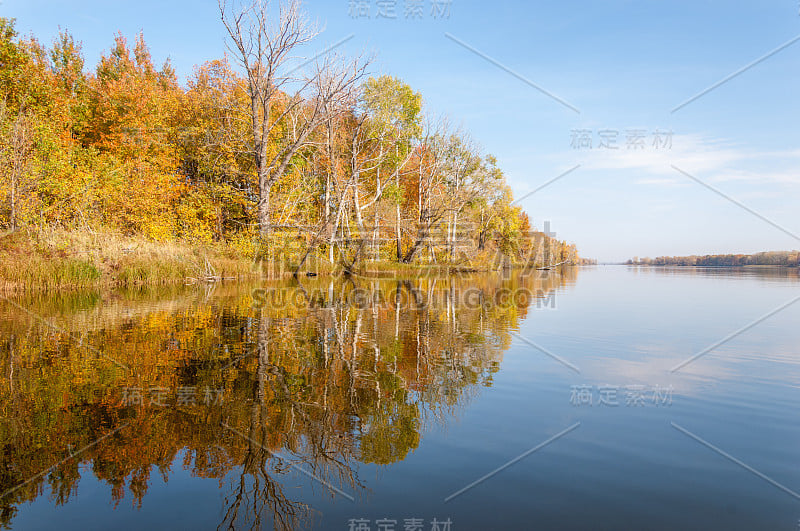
pixel 131 116
pixel 395 110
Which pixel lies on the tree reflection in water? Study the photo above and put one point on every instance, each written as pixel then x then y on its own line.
pixel 252 387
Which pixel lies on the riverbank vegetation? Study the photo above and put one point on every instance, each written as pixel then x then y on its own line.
pixel 779 258
pixel 122 174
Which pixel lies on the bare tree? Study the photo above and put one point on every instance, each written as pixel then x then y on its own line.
pixel 278 114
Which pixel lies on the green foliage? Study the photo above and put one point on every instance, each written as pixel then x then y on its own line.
pixel 392 103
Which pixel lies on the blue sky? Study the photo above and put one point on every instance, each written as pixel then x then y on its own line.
pixel 624 65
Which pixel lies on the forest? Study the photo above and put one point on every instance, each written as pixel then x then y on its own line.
pixel 125 174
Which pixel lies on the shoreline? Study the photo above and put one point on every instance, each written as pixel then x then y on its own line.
pixel 59 260
pixel 745 266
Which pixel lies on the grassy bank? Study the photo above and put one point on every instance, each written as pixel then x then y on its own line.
pixel 57 259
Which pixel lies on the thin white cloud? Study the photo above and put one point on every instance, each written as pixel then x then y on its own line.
pixel 708 159
pixel 663 181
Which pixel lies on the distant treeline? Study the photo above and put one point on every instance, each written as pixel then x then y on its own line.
pixel 777 258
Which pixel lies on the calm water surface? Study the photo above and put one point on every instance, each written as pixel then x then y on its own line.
pixel 561 400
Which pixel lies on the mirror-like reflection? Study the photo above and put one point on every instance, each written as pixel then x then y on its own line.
pixel 249 385
pixel 762 273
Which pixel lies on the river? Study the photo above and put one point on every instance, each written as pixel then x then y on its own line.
pixel 605 397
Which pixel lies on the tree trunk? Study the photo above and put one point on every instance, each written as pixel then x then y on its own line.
pixel 263 207
pixel 455 235
pixel 398 239
pixel 375 252
pixel 421 235
pixel 357 206
pixel 482 234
